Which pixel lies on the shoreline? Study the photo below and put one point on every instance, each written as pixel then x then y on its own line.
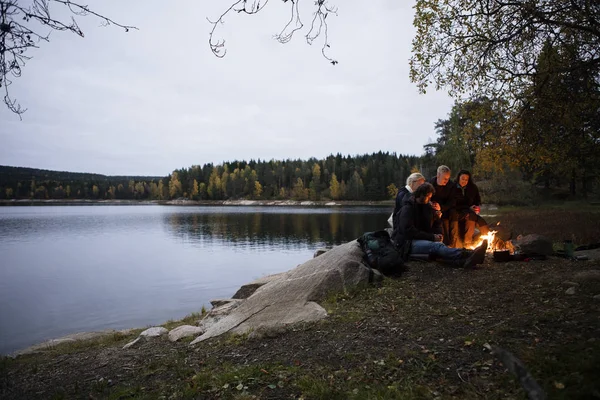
pixel 241 202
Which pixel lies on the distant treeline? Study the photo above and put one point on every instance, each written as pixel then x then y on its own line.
pixel 375 176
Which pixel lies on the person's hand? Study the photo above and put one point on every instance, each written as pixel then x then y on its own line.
pixel 476 209
pixel 435 206
pixel 438 237
pixel 438 214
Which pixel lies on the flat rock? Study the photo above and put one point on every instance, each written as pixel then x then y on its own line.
pixel 155 331
pixel 134 342
pixel 248 289
pixel 217 313
pixel 292 297
pixel 570 290
pixel 534 244
pixel 184 331
pixel 589 275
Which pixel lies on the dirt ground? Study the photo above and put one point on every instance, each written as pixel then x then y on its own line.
pixel 420 335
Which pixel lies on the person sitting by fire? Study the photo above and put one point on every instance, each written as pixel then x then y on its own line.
pixel 443 200
pixel 413 181
pixel 419 231
pixel 467 206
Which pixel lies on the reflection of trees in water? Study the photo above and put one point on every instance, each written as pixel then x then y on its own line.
pixel 274 228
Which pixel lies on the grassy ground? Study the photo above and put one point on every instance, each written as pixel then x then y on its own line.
pixel 418 336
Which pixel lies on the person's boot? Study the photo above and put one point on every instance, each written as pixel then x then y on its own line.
pixel 477 257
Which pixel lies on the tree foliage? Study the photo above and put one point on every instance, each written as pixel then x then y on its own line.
pixel 360 177
pixel 24 25
pixel 489 48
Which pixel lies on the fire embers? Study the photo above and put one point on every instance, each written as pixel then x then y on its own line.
pixel 498 238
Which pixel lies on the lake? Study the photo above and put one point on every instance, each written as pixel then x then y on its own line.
pixel 67 269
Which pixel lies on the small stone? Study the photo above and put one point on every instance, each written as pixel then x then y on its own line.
pixel 132 343
pixel 597 297
pixel 318 252
pixel 570 290
pixel 154 331
pixel 567 283
pixel 184 331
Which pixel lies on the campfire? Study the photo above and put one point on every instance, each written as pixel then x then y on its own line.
pixel 495 242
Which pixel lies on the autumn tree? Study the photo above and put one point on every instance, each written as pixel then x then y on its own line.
pixel 299 191
pixel 334 188
pixel 24 25
pixel 257 190
pixel 195 191
pixel 315 183
pixel 161 190
pixel 489 48
pixel 392 190
pixel 175 189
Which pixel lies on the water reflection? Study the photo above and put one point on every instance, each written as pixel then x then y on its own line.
pixel 260 227
pixel 70 269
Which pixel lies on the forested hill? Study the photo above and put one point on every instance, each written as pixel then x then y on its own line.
pixel 21 182
pixel 374 176
pixel 11 174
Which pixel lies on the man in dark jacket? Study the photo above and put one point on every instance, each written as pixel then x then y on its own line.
pixel 444 200
pixel 419 232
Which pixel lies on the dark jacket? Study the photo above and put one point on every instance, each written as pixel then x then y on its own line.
pixel 444 195
pixel 416 222
pixel 466 197
pixel 401 198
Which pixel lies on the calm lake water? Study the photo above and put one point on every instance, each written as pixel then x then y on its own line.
pixel 67 269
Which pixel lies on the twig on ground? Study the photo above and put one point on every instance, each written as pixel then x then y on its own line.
pixel 517 368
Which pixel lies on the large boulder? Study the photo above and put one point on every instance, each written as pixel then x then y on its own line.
pixel 534 244
pixel 292 297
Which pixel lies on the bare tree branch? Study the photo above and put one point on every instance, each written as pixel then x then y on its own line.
pixel 21 29
pixel 318 24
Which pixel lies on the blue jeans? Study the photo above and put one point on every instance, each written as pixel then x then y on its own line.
pixel 437 249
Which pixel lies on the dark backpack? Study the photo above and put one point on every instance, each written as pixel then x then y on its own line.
pixel 380 252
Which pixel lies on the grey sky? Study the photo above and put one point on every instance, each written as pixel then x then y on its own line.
pixel 150 101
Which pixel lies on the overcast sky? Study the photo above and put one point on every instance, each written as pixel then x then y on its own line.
pixel 153 100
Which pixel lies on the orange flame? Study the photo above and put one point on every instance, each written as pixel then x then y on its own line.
pixel 490 239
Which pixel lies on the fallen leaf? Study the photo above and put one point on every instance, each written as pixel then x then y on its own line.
pixel 559 385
